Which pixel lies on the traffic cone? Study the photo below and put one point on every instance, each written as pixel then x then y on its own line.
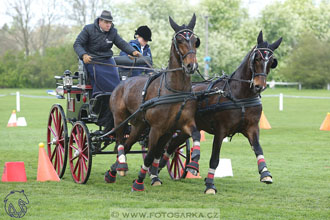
pixel 325 126
pixel 46 171
pixel 21 121
pixel 264 124
pixel 202 135
pixel 14 172
pixel 12 120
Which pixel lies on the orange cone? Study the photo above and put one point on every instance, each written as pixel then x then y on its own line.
pixel 325 126
pixel 14 172
pixel 202 135
pixel 12 120
pixel 190 176
pixel 46 171
pixel 264 124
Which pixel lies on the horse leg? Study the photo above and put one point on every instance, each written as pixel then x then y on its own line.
pixel 174 143
pixel 214 162
pixel 265 175
pixel 110 175
pixel 154 135
pixel 136 131
pixel 155 181
pixel 193 165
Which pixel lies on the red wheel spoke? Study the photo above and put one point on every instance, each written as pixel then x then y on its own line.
pixel 82 168
pixel 55 159
pixel 73 158
pixel 75 139
pixel 175 165
pixel 54 122
pixel 53 154
pixel 182 155
pixel 51 129
pixel 84 156
pixel 79 169
pixel 73 147
pixel 180 161
pixel 76 166
pixel 60 159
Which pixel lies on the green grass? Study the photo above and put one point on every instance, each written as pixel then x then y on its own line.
pixel 296 151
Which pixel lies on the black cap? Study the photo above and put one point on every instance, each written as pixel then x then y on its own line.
pixel 144 32
pixel 106 15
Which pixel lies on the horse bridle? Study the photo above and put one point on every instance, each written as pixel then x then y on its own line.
pixel 187 35
pixel 266 58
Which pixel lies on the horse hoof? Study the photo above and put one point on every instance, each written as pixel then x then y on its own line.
pixel 121 173
pixel 210 192
pixel 109 177
pixel 267 180
pixel 137 186
pixel 192 171
pixel 157 183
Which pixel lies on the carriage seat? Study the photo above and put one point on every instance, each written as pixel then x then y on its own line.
pixel 126 61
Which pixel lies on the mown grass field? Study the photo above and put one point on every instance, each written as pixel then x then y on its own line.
pixel 296 151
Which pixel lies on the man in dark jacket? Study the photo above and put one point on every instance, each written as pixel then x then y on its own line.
pixel 94 43
pixel 142 36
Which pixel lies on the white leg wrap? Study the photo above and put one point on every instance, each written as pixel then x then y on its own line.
pixel 122 159
pixel 197 143
pixel 144 167
pixel 211 170
pixel 260 157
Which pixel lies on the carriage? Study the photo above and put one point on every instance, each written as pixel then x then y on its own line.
pixel 232 104
pixel 80 144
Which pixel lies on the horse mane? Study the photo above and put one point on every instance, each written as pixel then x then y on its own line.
pixel 243 63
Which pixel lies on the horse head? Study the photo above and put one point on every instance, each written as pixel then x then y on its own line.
pixel 261 60
pixel 185 43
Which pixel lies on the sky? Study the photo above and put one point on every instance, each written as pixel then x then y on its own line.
pixel 254 6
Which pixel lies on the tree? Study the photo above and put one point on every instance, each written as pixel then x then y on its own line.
pixel 22 16
pixel 40 36
pixel 309 62
pixel 84 11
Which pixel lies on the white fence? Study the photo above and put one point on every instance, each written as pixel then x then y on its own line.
pixel 272 84
pixel 281 96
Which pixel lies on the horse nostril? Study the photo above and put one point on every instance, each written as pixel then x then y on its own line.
pixel 189 66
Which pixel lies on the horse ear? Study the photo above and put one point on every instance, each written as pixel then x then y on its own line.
pixel 260 38
pixel 174 25
pixel 275 45
pixel 192 22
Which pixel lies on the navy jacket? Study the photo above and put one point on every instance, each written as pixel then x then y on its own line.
pixel 97 43
pixel 146 52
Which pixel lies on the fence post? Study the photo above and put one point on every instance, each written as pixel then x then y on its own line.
pixel 281 102
pixel 328 86
pixel 299 86
pixel 18 106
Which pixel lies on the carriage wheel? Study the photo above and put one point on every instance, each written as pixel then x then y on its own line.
pixel 177 163
pixel 80 156
pixel 57 139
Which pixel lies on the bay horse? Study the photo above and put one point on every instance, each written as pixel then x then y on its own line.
pixel 236 110
pixel 163 119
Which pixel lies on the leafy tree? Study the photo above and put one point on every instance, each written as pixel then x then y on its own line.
pixel 309 62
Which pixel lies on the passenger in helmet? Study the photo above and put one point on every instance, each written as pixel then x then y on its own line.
pixel 141 38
